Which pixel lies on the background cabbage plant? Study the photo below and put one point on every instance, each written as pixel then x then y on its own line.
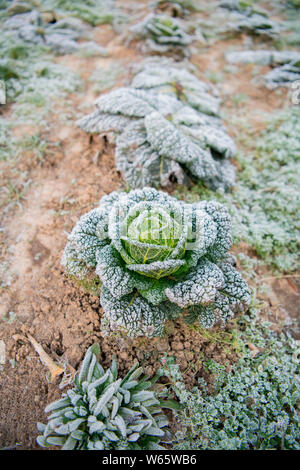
pixel 157 257
pixel 162 33
pixel 167 129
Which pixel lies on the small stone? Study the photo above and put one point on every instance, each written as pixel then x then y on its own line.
pixel 162 346
pixel 177 346
pixel 2 352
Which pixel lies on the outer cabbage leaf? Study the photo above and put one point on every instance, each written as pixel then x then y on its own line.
pixel 222 219
pixel 170 142
pixel 215 138
pixel 236 289
pixel 142 166
pixel 74 266
pixel 127 102
pixel 98 122
pixel 198 286
pixel 209 315
pixel 90 235
pixel 234 297
pixel 156 294
pixel 112 272
pixel 180 83
pixel 133 314
pixel 225 178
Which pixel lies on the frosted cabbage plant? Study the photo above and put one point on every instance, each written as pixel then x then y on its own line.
pixel 176 7
pixel 157 257
pixel 286 65
pixel 283 76
pixel 162 33
pixel 61 37
pixel 246 18
pixel 166 129
pixel 104 412
pixel 263 57
pixel 28 71
pixel 94 12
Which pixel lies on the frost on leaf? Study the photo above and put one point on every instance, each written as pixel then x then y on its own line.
pixel 156 257
pixel 223 240
pixel 199 286
pixel 286 65
pixel 177 8
pixel 131 313
pixel 162 34
pixel 172 143
pixel 178 82
pixel 283 76
pixel 209 315
pixel 104 412
pixel 234 296
pixel 246 18
pixel 166 129
pixel 60 36
pixel 236 289
pixel 90 235
pixel 114 277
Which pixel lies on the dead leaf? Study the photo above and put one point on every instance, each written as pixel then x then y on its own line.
pixel 293 286
pixel 54 368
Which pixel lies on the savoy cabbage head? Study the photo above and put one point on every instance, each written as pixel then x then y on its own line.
pixel 167 129
pixel 157 257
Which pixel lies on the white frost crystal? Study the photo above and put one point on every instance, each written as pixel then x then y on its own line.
pixel 167 129
pixel 157 257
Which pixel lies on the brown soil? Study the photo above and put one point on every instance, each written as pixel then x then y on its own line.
pixel 64 319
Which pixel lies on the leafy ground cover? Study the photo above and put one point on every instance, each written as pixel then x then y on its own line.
pixel 255 406
pixel 265 202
